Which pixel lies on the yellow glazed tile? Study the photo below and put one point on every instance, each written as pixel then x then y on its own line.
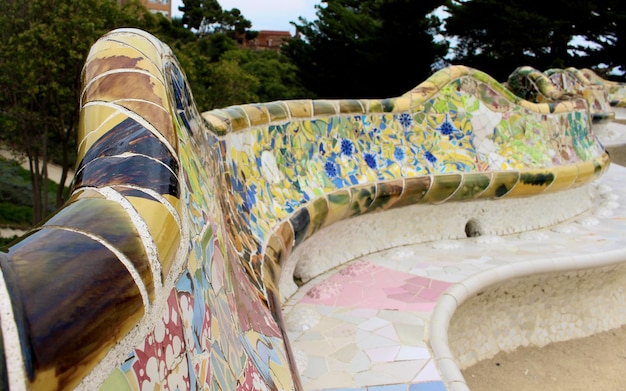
pixel 257 114
pixel 442 187
pixel 277 111
pixel 300 108
pixel 163 228
pixel 323 108
pixel 501 184
pixel 238 118
pixel 318 212
pixel 338 205
pixel 532 182
pixel 564 177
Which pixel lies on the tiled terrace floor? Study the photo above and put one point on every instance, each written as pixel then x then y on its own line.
pixel 366 320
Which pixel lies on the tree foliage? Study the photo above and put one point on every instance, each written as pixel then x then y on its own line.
pixel 497 36
pixel 44 45
pixel 370 48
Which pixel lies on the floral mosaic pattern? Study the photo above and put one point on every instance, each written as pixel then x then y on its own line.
pixel 174 287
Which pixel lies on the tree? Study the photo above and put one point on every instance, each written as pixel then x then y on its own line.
pixel 497 36
pixel 45 44
pixel 366 48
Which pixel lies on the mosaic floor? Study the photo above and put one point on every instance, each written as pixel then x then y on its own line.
pixel 361 326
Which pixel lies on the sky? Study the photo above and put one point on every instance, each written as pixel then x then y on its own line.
pixel 267 14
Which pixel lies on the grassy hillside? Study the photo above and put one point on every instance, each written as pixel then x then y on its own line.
pixel 16 199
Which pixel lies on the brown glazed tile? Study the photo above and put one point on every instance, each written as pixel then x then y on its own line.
pixel 141 44
pixel 351 106
pixel 126 85
pixel 318 211
pixel 361 199
pixel 442 187
pixel 274 249
pixel 474 184
pixel 324 108
pixel 108 220
pixel 387 194
pixel 414 190
pixel 501 184
pixel 157 116
pixel 78 298
pixel 285 233
pixel 117 56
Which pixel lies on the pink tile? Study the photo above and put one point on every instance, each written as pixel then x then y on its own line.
pixel 377 288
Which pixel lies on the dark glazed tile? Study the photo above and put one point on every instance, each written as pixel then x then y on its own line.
pixel 300 222
pixel 351 106
pixel 130 137
pixel 361 199
pixel 387 194
pixel 76 297
pixel 157 116
pixel 414 190
pixel 108 220
pixel 474 184
pixel 135 170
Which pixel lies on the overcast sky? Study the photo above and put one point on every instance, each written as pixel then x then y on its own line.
pixel 267 14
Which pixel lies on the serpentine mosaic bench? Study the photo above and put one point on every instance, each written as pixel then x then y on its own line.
pixel 162 269
pixel 558 84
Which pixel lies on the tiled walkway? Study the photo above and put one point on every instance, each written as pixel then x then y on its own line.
pixel 362 325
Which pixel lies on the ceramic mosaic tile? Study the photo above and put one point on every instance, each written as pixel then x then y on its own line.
pixel 161 272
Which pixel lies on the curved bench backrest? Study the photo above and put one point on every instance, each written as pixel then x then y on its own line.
pixel 161 269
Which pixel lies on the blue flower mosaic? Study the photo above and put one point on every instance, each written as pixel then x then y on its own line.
pixel 331 169
pixel 405 120
pixel 447 129
pixel 399 154
pixel 347 147
pixel 370 160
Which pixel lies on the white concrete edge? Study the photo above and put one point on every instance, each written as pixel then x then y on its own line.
pixel 447 304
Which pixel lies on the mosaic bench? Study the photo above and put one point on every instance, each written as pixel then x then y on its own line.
pixel 162 269
pixel 558 84
pixel 616 91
